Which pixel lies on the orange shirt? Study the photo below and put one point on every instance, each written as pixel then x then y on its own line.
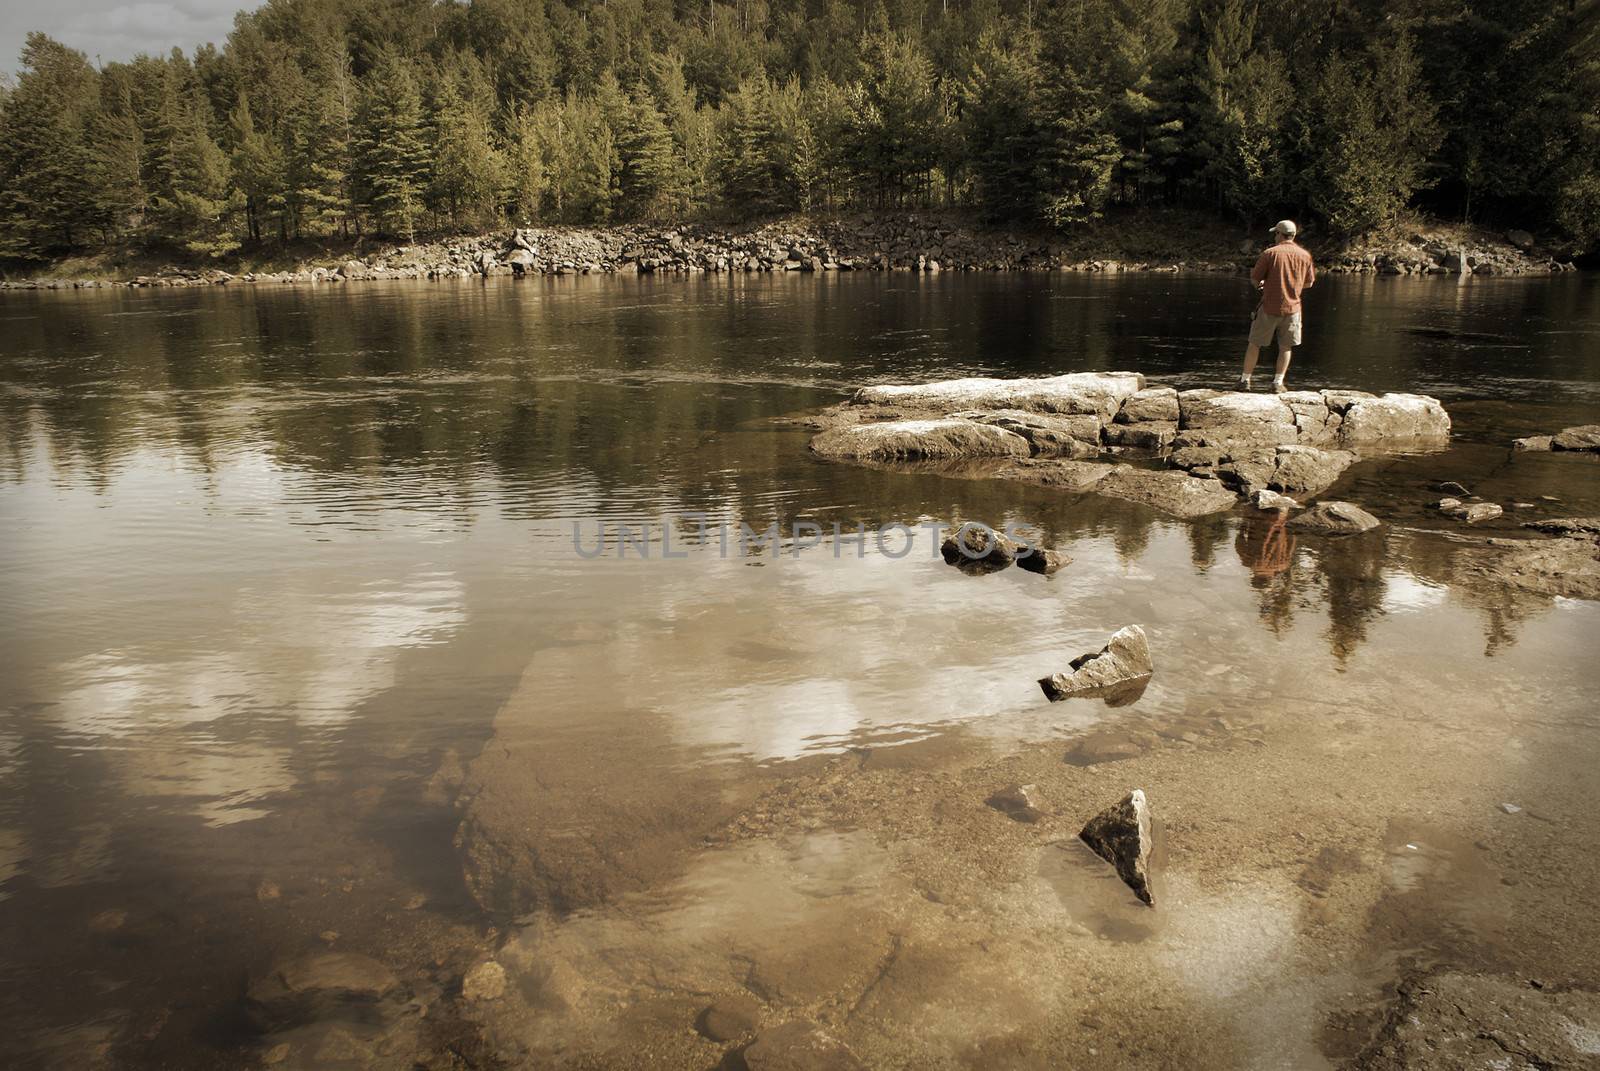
pixel 1286 270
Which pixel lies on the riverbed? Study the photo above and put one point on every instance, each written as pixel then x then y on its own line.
pixel 397 621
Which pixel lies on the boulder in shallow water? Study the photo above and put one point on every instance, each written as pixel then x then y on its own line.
pixel 1049 434
pixel 1041 560
pixel 917 440
pixel 1579 526
pixel 1125 658
pixel 977 547
pixel 1393 418
pixel 1120 835
pixel 1534 442
pixel 1336 518
pixel 1099 393
pixel 1586 437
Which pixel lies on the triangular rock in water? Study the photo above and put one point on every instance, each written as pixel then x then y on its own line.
pixel 1120 835
pixel 1122 661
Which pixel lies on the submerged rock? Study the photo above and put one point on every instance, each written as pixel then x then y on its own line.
pixel 486 981
pixel 1020 802
pixel 1451 1020
pixel 1120 835
pixel 729 1018
pixel 1336 518
pixel 316 984
pixel 1587 526
pixel 799 1046
pixel 1568 567
pixel 915 440
pixel 1125 658
pixel 1534 442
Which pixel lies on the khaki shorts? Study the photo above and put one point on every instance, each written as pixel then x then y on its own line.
pixel 1264 327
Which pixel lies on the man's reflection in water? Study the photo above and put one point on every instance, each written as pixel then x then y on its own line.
pixel 1265 544
pixel 1266 547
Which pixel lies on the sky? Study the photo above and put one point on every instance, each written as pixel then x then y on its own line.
pixel 116 29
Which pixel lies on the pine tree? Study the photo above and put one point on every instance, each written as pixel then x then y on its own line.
pixel 257 166
pixel 1079 153
pixel 390 147
pixel 46 202
pixel 1002 130
pixel 116 164
pixel 525 172
pixel 198 211
pixel 467 171
pixel 653 182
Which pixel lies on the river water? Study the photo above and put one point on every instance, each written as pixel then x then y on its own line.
pixel 273 557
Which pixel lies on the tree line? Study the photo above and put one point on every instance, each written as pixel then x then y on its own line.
pixel 320 118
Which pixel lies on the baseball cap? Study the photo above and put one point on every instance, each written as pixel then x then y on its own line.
pixel 1286 226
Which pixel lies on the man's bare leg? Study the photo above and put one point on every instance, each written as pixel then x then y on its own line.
pixel 1281 369
pixel 1252 354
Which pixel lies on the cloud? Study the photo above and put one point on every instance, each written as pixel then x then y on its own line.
pixel 116 31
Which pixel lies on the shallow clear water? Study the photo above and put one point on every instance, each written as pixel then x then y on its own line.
pixel 268 554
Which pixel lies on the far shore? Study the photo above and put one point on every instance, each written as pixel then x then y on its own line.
pixel 903 241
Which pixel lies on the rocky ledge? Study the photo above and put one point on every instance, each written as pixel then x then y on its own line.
pixel 1188 453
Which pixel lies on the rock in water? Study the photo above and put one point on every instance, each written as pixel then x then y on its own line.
pixel 1040 560
pixel 799 1046
pixel 1336 518
pixel 1586 437
pixel 1272 500
pixel 1120 835
pixel 317 984
pixel 1125 658
pixel 1470 511
pixel 1020 802
pixel 978 548
pixel 1534 442
pixel 916 440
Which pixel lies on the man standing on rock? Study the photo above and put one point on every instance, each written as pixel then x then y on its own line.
pixel 1282 272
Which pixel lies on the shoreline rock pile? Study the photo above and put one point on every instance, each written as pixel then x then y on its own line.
pixel 1197 451
pixel 911 242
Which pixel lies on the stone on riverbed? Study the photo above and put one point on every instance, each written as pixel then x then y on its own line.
pixel 1042 560
pixel 915 440
pixel 799 1046
pixel 730 1018
pixel 1120 835
pixel 1020 802
pixel 1125 658
pixel 1336 518
pixel 317 984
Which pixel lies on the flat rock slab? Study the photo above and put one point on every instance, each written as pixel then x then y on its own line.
pixel 1299 442
pixel 1099 393
pixel 1120 835
pixel 1568 567
pixel 1168 490
pixel 1125 658
pixel 1589 526
pixel 1336 518
pixel 917 440
pixel 1450 1021
pixel 1586 437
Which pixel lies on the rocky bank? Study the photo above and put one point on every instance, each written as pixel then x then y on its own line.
pixel 929 242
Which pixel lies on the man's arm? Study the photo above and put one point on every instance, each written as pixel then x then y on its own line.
pixel 1258 274
pixel 1311 272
